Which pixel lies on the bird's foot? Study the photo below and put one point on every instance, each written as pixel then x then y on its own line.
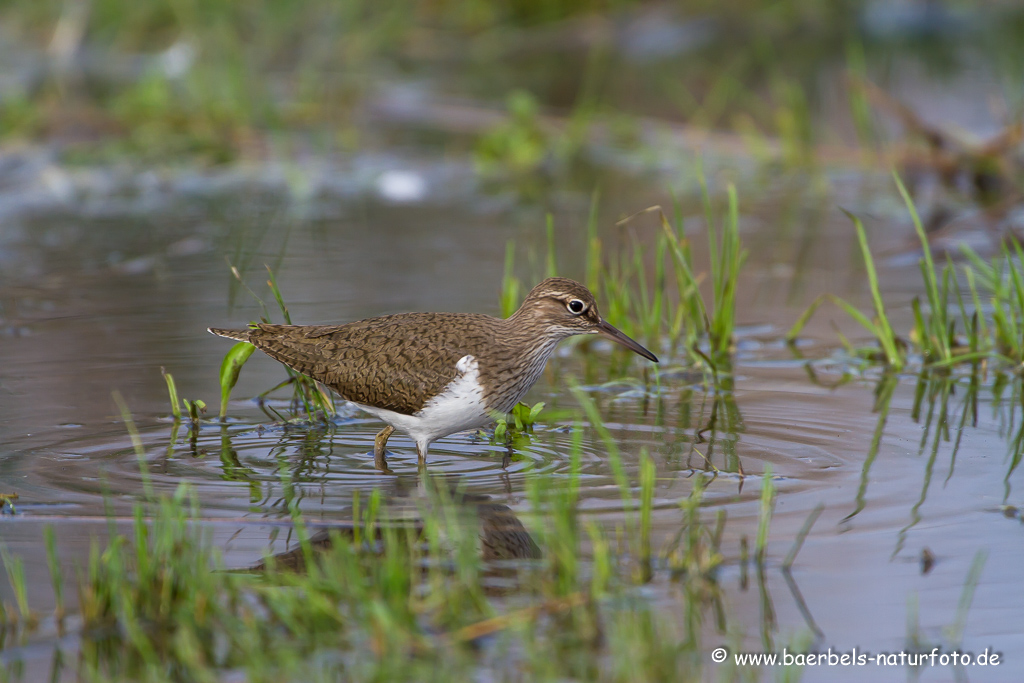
pixel 380 463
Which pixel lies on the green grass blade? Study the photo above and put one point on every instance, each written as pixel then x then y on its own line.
pixel 765 515
pixel 614 456
pixel 988 275
pixel 172 390
pixel 935 301
pixel 593 260
pixel 883 330
pixel 855 313
pixel 955 631
pixel 56 577
pixel 687 282
pixel 510 285
pixel 137 446
pixel 804 318
pixel 272 283
pixel 15 567
pixel 801 536
pixel 976 300
pixel 920 330
pixel 966 320
pixel 230 368
pixel 940 315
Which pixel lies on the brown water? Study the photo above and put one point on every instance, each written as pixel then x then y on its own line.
pixel 93 304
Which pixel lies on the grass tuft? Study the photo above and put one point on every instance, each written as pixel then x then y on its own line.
pixel 879 326
pixel 384 598
pixel 987 332
pixel 651 289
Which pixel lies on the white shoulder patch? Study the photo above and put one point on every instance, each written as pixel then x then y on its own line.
pixel 458 407
pixel 466 364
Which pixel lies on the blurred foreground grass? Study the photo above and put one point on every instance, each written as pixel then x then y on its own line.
pixel 461 590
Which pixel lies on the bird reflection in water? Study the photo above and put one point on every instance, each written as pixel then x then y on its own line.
pixel 502 535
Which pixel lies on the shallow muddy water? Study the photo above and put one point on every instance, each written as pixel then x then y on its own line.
pixel 92 304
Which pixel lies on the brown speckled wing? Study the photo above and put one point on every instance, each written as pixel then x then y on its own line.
pixel 396 362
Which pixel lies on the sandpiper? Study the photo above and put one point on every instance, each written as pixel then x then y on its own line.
pixel 434 374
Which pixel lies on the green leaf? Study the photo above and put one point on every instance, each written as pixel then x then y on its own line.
pixel 801 322
pixel 172 390
pixel 229 369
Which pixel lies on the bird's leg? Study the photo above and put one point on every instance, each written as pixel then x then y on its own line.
pixel 507 459
pixel 421 451
pixel 379 461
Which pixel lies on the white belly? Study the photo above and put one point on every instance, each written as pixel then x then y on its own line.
pixel 459 407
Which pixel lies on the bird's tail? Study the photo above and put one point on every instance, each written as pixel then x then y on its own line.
pixel 240 335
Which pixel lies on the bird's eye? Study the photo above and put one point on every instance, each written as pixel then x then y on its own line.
pixel 576 306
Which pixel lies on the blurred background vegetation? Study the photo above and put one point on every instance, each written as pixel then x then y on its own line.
pixel 215 81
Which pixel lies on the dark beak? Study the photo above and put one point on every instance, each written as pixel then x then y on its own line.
pixel 606 330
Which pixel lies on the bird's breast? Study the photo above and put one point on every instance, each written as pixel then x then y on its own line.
pixel 507 379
